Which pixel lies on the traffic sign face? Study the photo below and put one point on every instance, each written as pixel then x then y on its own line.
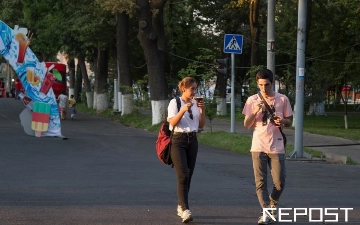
pixel 233 43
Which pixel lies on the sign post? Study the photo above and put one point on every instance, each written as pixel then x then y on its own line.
pixel 233 44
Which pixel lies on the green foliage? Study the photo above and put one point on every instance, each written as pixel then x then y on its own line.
pixel 210 110
pixel 251 80
pixel 116 6
pixel 9 8
pixel 350 161
pixel 194 31
pixel 140 91
pixel 199 70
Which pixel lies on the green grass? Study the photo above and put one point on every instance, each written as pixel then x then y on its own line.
pixel 340 108
pixel 224 140
pixel 237 142
pixel 135 119
pixel 332 125
pixel 350 161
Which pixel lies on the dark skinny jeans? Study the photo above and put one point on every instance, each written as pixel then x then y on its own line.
pixel 184 150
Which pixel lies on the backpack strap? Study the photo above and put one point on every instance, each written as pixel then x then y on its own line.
pixel 272 113
pixel 265 103
pixel 178 103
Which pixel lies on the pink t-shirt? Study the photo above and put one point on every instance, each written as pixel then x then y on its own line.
pixel 267 138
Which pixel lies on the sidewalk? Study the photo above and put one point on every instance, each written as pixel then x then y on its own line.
pixel 336 149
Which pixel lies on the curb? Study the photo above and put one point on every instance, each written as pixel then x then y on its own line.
pixel 336 157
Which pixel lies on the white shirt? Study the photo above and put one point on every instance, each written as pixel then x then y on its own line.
pixel 185 124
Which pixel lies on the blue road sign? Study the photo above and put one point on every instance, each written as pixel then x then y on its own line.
pixel 233 43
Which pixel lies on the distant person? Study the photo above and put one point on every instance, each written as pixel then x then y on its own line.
pixel 72 106
pixel 63 102
pixel 184 146
pixel 12 92
pixel 18 88
pixel 267 148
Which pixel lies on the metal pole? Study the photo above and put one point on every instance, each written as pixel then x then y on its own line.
pixel 116 90
pixel 300 76
pixel 119 94
pixel 232 128
pixel 271 38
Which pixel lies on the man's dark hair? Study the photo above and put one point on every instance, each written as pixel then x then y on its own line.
pixel 265 74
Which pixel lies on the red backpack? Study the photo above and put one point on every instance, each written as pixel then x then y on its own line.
pixel 163 142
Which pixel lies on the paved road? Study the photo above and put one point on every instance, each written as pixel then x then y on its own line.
pixel 107 173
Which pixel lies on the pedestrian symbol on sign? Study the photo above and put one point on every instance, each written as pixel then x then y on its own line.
pixel 233 43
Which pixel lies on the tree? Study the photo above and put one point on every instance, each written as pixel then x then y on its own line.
pixel 95 29
pixel 151 35
pixel 152 38
pixel 123 61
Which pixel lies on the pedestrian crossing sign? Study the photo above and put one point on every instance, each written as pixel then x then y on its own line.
pixel 233 43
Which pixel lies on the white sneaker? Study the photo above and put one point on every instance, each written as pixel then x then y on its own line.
pixel 186 216
pixel 179 211
pixel 274 213
pixel 264 220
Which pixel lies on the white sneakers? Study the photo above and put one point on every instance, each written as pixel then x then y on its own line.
pixel 267 218
pixel 184 214
pixel 179 211
pixel 264 220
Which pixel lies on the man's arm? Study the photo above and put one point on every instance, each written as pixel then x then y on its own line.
pixel 250 119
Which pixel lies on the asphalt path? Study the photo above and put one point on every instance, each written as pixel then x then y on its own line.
pixel 107 173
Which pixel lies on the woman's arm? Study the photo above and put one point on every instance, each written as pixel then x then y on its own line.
pixel 176 119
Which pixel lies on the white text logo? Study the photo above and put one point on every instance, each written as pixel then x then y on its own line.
pixel 322 214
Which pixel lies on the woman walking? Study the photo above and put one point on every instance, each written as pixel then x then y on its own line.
pixel 184 146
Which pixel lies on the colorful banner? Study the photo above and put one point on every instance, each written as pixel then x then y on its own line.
pixel 37 82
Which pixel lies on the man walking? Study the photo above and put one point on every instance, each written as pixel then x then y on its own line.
pixel 268 147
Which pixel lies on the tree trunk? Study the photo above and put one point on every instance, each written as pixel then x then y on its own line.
pixel 78 84
pixel 255 31
pixel 102 102
pixel 123 61
pixel 71 66
pixel 317 109
pixel 87 86
pixel 174 35
pixel 151 39
pixel 96 71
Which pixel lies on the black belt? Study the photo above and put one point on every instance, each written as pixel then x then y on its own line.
pixel 189 134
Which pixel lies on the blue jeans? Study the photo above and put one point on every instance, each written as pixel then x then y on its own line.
pixel 276 163
pixel 183 154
